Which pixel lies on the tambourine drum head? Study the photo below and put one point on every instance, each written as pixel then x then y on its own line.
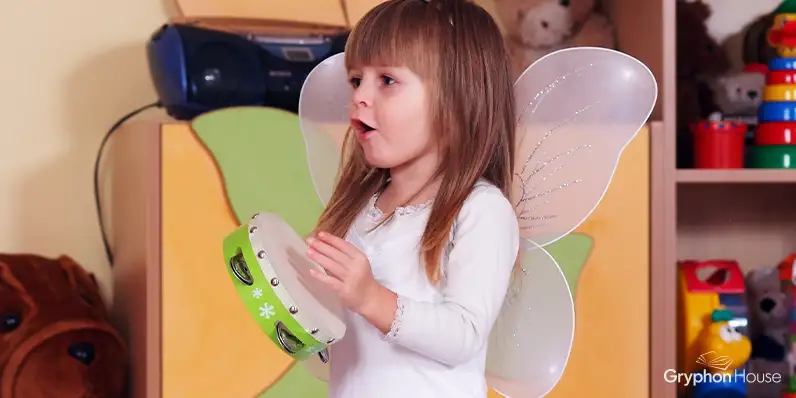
pixel 287 253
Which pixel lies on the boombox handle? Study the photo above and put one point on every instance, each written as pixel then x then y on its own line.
pixel 256 26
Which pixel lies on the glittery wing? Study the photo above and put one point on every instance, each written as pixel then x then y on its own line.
pixel 577 110
pixel 530 343
pixel 324 119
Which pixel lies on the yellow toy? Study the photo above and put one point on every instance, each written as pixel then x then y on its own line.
pixel 699 295
pixel 782 35
pixel 724 348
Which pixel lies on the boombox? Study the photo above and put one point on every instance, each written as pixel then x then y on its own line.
pixel 201 65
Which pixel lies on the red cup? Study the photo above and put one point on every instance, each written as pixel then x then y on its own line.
pixel 719 145
pixel 776 133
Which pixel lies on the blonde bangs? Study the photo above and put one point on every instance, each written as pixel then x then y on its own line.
pixel 396 33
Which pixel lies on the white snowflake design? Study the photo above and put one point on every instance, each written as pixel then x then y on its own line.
pixel 257 293
pixel 267 311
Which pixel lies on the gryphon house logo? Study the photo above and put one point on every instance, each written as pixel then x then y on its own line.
pixel 715 361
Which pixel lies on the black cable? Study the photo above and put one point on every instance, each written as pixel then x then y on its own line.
pixel 97 162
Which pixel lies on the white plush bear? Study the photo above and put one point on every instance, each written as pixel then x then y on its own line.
pixel 739 94
pixel 538 27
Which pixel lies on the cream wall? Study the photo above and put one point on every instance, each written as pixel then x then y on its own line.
pixel 66 77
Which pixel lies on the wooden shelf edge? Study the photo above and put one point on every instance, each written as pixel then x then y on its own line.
pixel 736 176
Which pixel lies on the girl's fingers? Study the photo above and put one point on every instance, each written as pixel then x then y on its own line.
pixel 339 243
pixel 333 283
pixel 328 250
pixel 331 266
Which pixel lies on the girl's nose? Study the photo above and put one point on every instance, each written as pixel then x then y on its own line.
pixel 362 102
pixel 362 97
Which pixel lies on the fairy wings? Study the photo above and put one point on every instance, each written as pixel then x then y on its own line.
pixel 577 110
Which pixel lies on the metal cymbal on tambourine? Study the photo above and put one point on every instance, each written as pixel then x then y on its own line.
pixel 267 262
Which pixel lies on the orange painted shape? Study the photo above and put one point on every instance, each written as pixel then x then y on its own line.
pixel 211 345
pixel 610 356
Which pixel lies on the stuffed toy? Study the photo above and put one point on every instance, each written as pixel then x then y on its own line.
pixel 700 59
pixel 756 49
pixel 536 28
pixel 55 339
pixel 739 94
pixel 769 314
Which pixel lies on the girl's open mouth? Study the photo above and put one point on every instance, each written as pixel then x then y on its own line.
pixel 362 129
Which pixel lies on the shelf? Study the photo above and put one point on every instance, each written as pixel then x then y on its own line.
pixel 748 223
pixel 736 176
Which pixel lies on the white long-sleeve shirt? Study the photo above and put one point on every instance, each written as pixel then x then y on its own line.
pixel 438 341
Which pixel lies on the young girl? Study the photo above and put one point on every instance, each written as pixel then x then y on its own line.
pixel 419 238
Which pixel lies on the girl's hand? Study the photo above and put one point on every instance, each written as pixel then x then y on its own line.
pixel 348 270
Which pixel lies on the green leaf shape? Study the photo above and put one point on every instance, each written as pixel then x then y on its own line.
pixel 572 252
pixel 296 382
pixel 262 158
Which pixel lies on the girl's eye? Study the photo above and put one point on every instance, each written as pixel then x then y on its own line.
pixel 354 81
pixel 387 80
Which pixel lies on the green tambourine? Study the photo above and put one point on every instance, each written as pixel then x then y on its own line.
pixel 267 262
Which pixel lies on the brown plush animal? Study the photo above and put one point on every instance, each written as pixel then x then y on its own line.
pixel 699 60
pixel 55 340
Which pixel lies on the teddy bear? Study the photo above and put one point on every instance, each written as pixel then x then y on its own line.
pixel 739 94
pixel 769 315
pixel 536 28
pixel 769 304
pixel 700 59
pixel 55 337
pixel 756 49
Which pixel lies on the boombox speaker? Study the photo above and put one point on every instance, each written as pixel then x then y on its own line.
pixel 197 67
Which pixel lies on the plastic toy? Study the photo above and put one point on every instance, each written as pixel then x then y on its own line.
pixel 706 304
pixel 719 144
pixel 787 274
pixel 774 142
pixel 725 352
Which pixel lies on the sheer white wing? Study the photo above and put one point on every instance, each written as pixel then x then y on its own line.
pixel 323 115
pixel 577 110
pixel 530 343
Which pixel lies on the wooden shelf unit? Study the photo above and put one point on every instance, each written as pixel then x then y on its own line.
pixel 748 215
pixel 754 224
pixel 739 176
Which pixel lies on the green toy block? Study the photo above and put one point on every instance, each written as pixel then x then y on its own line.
pixel 786 7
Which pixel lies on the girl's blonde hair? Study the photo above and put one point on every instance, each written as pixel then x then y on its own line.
pixel 457 49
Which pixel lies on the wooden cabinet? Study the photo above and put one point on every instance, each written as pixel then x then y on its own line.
pixel 190 336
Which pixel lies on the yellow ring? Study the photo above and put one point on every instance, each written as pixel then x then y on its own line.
pixel 779 92
pixel 780 19
pixel 779 22
pixel 786 52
